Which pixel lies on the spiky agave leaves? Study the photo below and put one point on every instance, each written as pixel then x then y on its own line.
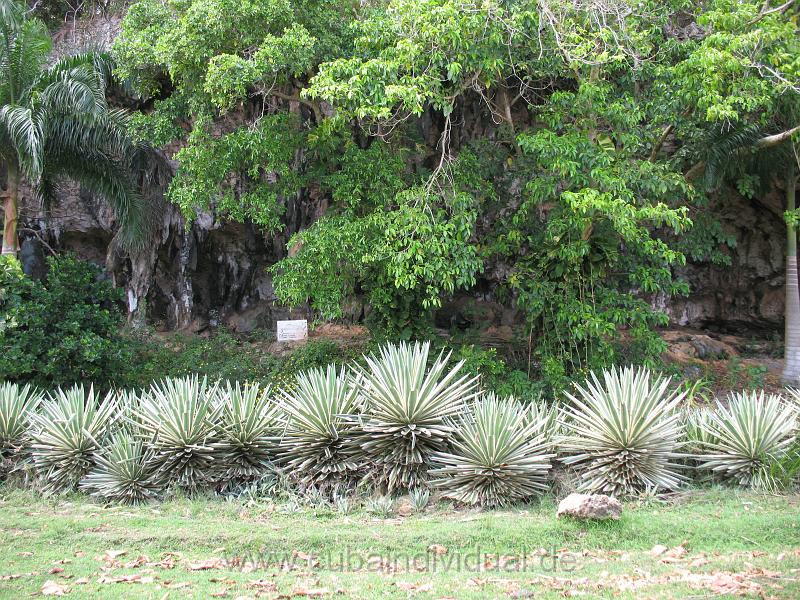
pixel 316 446
pixel 67 432
pixel 407 413
pixel 16 405
pixel 744 440
pixel 623 435
pixel 499 455
pixel 247 433
pixel 179 419
pixel 125 471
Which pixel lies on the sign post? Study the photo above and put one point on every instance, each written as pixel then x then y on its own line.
pixel 292 331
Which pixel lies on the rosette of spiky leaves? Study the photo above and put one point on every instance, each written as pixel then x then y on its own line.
pixel 16 405
pixel 247 431
pixel 67 432
pixel 407 412
pixel 317 446
pixel 747 438
pixel 697 433
pixel 543 417
pixel 17 402
pixel 624 434
pixel 124 471
pixel 499 455
pixel 179 419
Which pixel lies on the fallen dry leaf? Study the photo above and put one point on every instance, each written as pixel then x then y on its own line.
pixel 263 585
pixel 658 550
pixel 204 565
pixel 51 588
pixel 310 591
pixel 437 549
pixel 414 587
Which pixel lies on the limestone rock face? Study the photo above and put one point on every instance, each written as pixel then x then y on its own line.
pixel 590 506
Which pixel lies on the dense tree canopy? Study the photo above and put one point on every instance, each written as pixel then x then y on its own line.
pixel 562 149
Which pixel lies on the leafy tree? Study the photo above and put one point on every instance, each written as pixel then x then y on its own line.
pixel 561 149
pixel 62 329
pixel 55 123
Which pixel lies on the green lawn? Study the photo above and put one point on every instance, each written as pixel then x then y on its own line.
pixel 718 544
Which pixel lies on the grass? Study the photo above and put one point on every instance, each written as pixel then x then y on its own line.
pixel 719 543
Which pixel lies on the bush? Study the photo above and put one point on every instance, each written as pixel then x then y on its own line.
pixel 317 446
pixel 408 410
pixel 67 433
pixel 623 434
pixel 60 330
pixel 500 454
pixel 748 440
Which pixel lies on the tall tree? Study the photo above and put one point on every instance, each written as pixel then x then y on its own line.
pixel 55 123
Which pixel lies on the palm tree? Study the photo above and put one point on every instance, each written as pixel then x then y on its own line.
pixel 55 123
pixel 749 149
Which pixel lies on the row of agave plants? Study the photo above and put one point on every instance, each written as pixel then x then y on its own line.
pixel 395 422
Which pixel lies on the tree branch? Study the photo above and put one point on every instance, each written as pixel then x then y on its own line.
pixel 773 140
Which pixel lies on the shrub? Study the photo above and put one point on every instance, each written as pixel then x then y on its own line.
pixel 17 402
pixel 623 434
pixel 67 432
pixel 179 417
pixel 407 411
pixel 500 454
pixel 746 440
pixel 218 357
pixel 60 330
pixel 317 445
pixel 124 472
pixel 247 433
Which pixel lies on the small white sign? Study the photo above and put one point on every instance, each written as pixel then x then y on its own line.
pixel 292 331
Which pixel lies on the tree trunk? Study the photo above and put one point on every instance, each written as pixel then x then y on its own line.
pixel 791 363
pixel 10 242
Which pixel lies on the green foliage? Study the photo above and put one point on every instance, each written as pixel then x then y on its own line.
pixel 407 412
pixel 317 446
pixel 747 439
pixel 67 434
pixel 180 418
pixel 62 329
pixel 17 403
pixel 623 433
pixel 499 455
pixel 242 173
pixel 56 124
pixel 124 472
pixel 247 431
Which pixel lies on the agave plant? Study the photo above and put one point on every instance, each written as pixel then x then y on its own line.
pixel 16 405
pixel 179 419
pixel 500 454
pixel 623 435
pixel 66 434
pixel 408 409
pixel 124 473
pixel 247 433
pixel 318 427
pixel 745 440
